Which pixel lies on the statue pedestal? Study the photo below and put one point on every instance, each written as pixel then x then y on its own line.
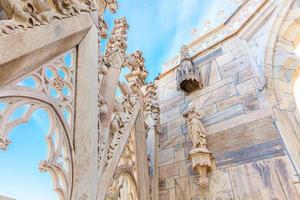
pixel 203 163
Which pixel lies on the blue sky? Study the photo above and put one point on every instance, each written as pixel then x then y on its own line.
pixel 20 176
pixel 158 28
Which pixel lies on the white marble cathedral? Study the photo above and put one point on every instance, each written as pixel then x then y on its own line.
pixel 221 122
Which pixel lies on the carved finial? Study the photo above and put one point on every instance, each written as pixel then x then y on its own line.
pixel 189 77
pixel 136 63
pixel 118 39
pixel 112 5
pixel 58 83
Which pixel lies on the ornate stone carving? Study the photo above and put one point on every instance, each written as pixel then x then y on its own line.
pixel 136 63
pixel 103 109
pixel 136 78
pixel 56 80
pixel 188 77
pixel 151 107
pixel 112 5
pixel 59 159
pixel 196 129
pixel 118 39
pixel 102 27
pixel 202 159
pixel 4 143
pixel 119 122
pixel 116 131
pixel 58 83
pixel 29 13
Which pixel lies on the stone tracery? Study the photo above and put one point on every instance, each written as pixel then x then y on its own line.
pixel 59 160
pixel 126 115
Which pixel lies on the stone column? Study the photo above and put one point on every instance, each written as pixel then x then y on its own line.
pixel 152 114
pixel 111 68
pixel 85 144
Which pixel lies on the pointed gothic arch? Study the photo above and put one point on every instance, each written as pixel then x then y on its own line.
pixel 278 74
pixel 35 96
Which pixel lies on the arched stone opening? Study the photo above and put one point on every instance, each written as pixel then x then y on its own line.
pixel 280 64
pixel 50 88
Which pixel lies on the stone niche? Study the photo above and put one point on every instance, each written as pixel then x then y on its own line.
pixel 188 77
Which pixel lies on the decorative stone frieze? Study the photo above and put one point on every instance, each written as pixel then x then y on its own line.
pixel 23 14
pixel 188 77
pixel 202 160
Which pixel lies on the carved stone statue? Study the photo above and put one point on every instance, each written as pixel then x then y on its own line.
pixel 196 129
pixel 202 159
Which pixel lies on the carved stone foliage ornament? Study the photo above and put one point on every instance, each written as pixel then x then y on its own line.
pixel 188 77
pixel 23 14
pixel 151 107
pixel 118 125
pixel 136 63
pixel 118 38
pixel 112 5
pixel 202 160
